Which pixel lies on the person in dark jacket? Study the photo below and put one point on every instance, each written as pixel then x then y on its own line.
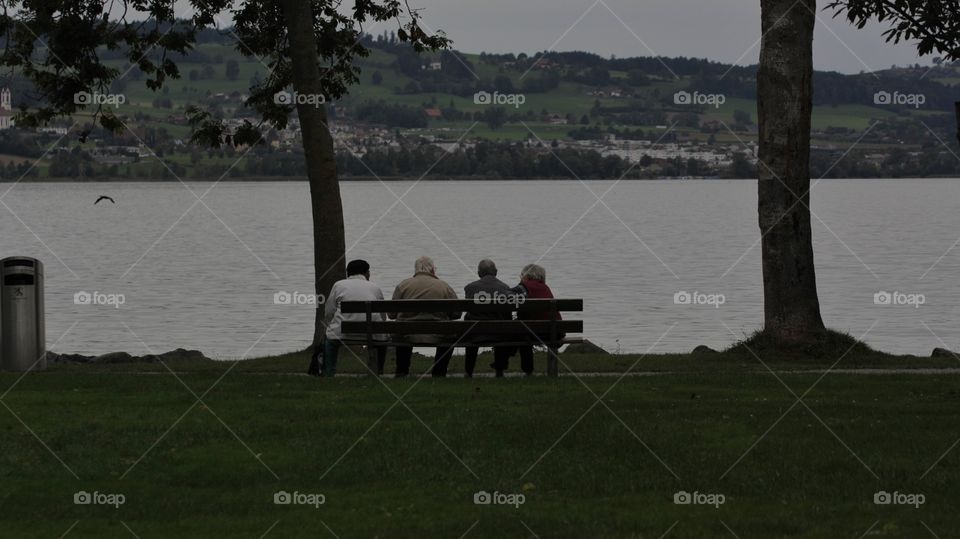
pixel 489 289
pixel 533 284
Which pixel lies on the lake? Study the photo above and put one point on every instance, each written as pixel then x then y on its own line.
pixel 203 275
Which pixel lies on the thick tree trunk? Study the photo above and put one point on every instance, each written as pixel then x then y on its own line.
pixel 328 239
pixel 957 107
pixel 785 104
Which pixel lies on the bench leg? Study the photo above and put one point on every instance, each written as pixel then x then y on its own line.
pixel 553 362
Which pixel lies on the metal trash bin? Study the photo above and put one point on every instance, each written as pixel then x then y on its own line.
pixel 22 327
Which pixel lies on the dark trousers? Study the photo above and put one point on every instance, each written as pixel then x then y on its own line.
pixel 381 352
pixel 440 363
pixel 526 359
pixel 501 356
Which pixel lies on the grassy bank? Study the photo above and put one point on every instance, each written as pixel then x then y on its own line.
pixel 410 467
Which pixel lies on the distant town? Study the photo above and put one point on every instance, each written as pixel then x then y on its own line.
pixel 549 115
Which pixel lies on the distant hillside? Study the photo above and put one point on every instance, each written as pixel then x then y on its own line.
pixel 559 89
pixel 600 109
pixel 555 74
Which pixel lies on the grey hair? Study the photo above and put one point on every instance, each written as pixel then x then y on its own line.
pixel 486 267
pixel 424 264
pixel 534 272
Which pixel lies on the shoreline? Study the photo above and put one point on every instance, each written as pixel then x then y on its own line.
pixel 940 361
pixel 270 179
pixel 430 178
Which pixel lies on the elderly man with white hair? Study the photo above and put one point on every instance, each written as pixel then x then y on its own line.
pixel 424 285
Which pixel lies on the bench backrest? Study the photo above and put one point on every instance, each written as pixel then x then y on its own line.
pixel 461 305
pixel 549 330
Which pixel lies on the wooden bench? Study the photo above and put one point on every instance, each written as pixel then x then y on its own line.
pixel 463 333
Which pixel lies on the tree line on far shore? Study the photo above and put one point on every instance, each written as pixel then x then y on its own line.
pixel 487 159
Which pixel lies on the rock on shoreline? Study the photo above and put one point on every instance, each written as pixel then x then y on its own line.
pixel 585 347
pixel 122 357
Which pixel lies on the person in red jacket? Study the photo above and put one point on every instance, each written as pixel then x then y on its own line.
pixel 533 284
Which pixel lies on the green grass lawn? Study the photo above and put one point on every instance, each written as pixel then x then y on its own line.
pixel 850 116
pixel 410 467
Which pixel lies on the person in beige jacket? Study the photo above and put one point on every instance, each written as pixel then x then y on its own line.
pixel 424 285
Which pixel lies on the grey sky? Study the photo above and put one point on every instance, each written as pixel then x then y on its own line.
pixel 721 30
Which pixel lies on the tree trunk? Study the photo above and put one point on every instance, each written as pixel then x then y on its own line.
pixel 957 107
pixel 328 239
pixel 785 105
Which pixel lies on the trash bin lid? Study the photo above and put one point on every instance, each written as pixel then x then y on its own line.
pixel 20 264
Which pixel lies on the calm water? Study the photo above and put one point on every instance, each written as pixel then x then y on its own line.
pixel 205 278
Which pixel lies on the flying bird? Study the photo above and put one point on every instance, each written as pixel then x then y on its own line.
pixel 104 197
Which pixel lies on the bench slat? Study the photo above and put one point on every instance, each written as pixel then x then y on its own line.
pixel 463 327
pixel 461 343
pixel 458 305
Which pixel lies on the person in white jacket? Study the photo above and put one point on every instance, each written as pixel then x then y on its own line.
pixel 356 287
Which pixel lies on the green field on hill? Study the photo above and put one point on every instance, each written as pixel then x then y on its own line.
pixel 568 98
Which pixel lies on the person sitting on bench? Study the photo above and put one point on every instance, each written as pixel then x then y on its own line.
pixel 490 289
pixel 533 284
pixel 356 287
pixel 424 285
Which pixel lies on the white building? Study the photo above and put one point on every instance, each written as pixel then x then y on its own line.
pixel 54 130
